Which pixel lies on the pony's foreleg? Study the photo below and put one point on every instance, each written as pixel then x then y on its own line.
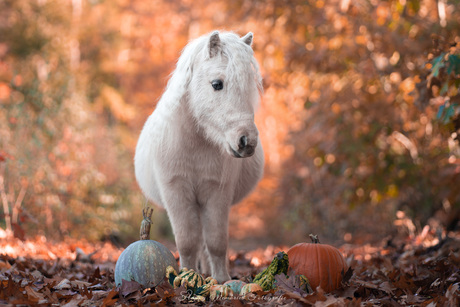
pixel 185 221
pixel 215 232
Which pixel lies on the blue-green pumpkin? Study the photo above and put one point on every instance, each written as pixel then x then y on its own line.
pixel 144 261
pixel 235 285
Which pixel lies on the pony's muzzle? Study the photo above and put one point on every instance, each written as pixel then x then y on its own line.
pixel 246 147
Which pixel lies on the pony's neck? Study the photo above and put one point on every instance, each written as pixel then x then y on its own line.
pixel 171 99
pixel 175 109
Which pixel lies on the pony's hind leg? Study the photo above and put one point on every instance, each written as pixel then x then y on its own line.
pixel 203 260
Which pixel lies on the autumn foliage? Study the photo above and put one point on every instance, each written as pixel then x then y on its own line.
pixel 359 119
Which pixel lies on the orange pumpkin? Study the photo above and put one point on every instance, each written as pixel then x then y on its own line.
pixel 322 264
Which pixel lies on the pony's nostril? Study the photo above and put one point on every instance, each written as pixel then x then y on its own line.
pixel 243 142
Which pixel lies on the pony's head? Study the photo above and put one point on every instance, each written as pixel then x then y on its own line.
pixel 220 83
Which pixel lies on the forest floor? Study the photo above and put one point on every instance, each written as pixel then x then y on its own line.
pixel 404 270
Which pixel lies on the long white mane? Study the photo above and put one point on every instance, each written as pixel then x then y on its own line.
pixel 238 54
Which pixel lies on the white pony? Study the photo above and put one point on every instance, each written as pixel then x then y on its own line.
pixel 188 157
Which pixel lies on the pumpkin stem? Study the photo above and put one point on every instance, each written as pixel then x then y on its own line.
pixel 145 224
pixel 314 238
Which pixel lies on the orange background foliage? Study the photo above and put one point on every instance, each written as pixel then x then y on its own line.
pixel 349 142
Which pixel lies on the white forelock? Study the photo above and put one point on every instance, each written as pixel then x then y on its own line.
pixel 241 67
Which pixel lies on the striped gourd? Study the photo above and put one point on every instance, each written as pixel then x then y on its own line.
pixel 171 274
pixel 220 291
pixel 198 299
pixel 210 280
pixel 204 290
pixel 250 288
pixel 189 279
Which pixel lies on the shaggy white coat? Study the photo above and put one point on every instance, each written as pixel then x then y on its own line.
pixel 191 157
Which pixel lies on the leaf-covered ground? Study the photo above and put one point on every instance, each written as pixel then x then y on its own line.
pixel 420 270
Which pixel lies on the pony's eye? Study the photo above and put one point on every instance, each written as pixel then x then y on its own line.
pixel 217 84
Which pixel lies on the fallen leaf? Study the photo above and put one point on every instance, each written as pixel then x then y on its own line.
pixel 386 287
pixel 74 302
pixel 346 276
pixel 63 285
pixel 111 298
pixel 128 287
pixel 330 301
pixel 292 284
pixel 452 295
pixel 317 296
pixel 4 265
pixel 35 296
pixel 80 284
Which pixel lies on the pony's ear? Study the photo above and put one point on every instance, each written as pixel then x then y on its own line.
pixel 247 39
pixel 214 44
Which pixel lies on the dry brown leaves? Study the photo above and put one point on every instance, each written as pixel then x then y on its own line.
pixel 402 272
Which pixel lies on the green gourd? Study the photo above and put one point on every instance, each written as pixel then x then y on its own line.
pixel 279 265
pixel 250 288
